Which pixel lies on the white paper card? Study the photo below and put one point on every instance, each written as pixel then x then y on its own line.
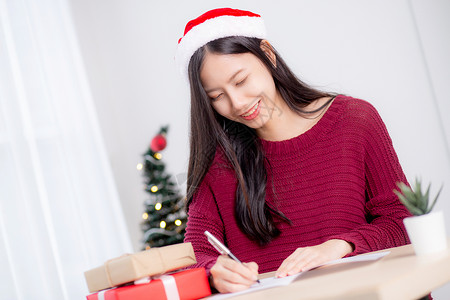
pixel 274 282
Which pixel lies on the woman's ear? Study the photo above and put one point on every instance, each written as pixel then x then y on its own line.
pixel 266 47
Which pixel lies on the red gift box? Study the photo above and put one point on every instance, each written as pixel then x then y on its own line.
pixel 184 285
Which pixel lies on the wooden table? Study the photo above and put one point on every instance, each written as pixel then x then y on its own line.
pixel 399 275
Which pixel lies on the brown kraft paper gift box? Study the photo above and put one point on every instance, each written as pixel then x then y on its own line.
pixel 130 267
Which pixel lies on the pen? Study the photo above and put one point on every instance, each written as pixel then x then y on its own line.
pixel 222 248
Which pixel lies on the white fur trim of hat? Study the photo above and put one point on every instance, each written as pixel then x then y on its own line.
pixel 212 25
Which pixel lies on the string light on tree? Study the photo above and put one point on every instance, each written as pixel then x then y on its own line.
pixel 164 220
pixel 162 224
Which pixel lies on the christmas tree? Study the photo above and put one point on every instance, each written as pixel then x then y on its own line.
pixel 164 219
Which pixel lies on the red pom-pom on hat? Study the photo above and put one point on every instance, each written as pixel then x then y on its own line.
pixel 215 24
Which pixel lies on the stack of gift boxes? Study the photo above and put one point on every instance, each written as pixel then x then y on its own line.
pixel 151 274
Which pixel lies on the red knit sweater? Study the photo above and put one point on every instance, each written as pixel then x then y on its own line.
pixel 334 181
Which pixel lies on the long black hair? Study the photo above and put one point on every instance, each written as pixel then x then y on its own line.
pixel 239 143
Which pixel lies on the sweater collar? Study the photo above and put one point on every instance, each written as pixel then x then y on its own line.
pixel 313 135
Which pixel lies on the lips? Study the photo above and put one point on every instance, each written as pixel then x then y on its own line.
pixel 252 112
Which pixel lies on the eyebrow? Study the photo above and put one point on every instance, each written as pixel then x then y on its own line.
pixel 229 80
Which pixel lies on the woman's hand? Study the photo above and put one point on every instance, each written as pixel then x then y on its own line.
pixel 230 276
pixel 304 259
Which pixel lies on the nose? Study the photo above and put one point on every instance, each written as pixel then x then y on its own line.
pixel 238 102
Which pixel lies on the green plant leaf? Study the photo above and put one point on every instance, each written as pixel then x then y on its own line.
pixel 427 194
pixel 422 201
pixel 435 199
pixel 409 194
pixel 410 206
pixel 414 210
pixel 414 199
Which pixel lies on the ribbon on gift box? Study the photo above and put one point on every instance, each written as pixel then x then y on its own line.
pixel 101 294
pixel 188 284
pixel 170 285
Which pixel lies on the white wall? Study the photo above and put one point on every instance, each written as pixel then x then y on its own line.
pixel 393 53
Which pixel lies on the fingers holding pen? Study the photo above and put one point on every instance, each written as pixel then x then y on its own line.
pixel 253 267
pixel 245 273
pixel 231 276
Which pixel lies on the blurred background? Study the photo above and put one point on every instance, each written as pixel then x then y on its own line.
pixel 86 84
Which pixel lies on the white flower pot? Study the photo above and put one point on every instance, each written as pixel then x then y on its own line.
pixel 427 232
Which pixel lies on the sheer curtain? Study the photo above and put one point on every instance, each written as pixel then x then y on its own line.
pixel 59 209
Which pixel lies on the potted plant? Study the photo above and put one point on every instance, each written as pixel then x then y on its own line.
pixel 425 229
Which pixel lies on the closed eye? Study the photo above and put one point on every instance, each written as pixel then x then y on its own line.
pixel 241 82
pixel 217 97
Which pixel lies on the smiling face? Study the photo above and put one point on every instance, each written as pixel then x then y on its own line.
pixel 240 87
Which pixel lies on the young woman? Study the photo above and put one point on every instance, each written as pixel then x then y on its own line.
pixel 288 177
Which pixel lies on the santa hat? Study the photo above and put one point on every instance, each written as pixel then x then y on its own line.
pixel 215 24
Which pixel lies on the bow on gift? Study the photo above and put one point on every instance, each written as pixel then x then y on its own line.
pixel 170 285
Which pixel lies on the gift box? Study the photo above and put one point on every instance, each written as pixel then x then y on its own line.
pixel 130 267
pixel 184 285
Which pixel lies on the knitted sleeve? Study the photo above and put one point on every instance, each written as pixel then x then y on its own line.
pixel 204 215
pixel 384 212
